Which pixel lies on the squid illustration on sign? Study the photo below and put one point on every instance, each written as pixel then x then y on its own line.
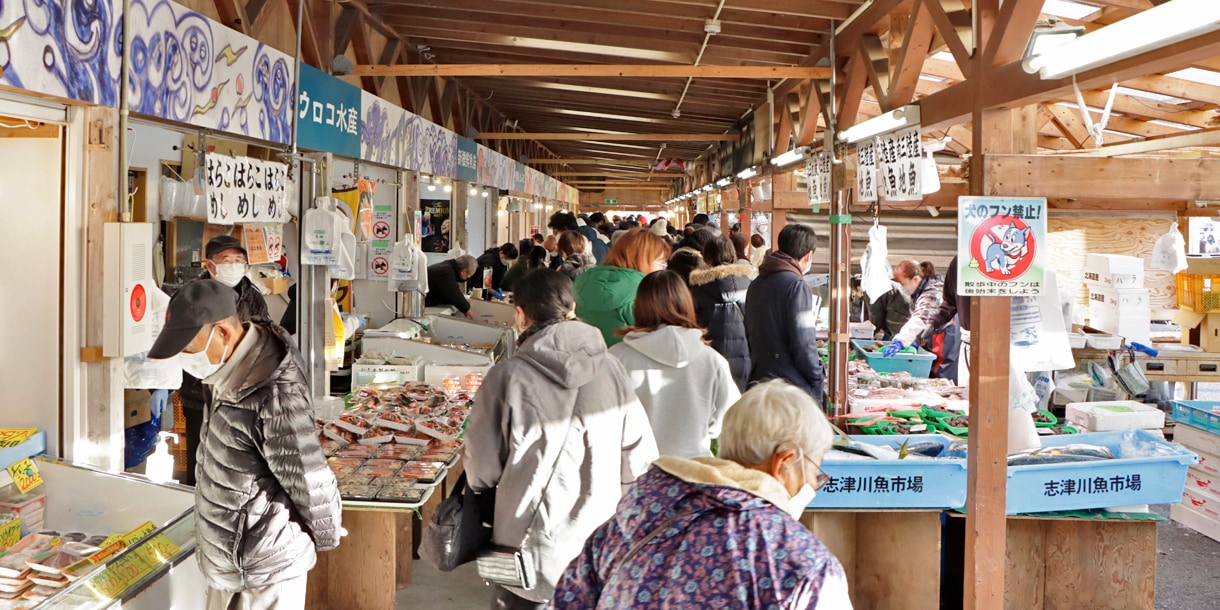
pixel 1003 247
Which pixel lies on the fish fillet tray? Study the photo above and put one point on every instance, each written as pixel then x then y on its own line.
pixel 1103 483
pixel 884 484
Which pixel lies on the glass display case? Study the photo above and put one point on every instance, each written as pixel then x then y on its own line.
pixel 147 560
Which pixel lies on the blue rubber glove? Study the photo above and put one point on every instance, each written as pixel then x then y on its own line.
pixel 498 294
pixel 158 402
pixel 893 348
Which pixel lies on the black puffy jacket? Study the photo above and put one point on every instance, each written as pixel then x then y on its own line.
pixel 781 326
pixel 265 498
pixel 720 304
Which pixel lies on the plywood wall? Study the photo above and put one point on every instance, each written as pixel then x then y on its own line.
pixel 1072 238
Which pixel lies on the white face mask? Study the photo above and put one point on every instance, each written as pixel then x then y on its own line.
pixel 198 365
pixel 803 496
pixel 230 274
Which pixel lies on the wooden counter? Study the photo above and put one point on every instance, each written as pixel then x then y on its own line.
pixel 1186 367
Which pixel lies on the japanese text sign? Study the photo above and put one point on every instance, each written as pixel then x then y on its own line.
pixel 817 174
pixel 1001 244
pixel 900 161
pixel 11 437
pixel 467 160
pixel 866 171
pixel 328 114
pixel 245 190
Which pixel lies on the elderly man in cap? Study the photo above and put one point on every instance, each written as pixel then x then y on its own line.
pixel 225 261
pixel 265 499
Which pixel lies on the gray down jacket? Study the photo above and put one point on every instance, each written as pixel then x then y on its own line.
pixel 265 498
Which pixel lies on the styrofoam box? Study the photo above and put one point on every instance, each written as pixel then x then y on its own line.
pixel 1196 521
pixel 1198 440
pixel 1114 271
pixel 1132 327
pixel 1088 485
pixel 1201 502
pixel 939 483
pixel 1203 483
pixel 1119 300
pixel 1117 415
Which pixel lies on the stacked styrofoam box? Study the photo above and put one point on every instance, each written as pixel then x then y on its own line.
pixel 1118 302
pixel 1108 416
pixel 1200 507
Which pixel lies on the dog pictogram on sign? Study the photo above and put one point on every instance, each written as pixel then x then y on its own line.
pixel 381 230
pixel 381 266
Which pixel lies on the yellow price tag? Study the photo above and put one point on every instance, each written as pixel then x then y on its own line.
pixel 25 475
pixel 116 543
pixel 10 533
pixel 11 437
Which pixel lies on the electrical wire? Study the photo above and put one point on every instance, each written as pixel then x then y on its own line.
pixel 25 125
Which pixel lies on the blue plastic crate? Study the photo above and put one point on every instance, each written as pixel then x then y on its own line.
pixel 918 364
pixel 908 483
pixel 1104 483
pixel 1201 414
pixel 31 447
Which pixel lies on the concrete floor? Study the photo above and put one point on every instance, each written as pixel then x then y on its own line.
pixel 431 589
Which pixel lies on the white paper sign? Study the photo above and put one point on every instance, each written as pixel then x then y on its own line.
pixel 817 174
pixel 245 190
pixel 866 171
pixel 900 172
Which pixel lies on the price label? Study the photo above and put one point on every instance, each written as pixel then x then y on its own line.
pixel 25 475
pixel 10 533
pixel 11 437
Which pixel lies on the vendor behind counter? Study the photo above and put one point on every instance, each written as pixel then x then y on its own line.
pixel 446 283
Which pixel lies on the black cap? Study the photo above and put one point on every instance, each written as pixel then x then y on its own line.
pixel 220 243
pixel 194 306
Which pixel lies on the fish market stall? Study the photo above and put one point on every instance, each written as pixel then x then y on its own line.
pixel 394 450
pixel 494 312
pixel 444 351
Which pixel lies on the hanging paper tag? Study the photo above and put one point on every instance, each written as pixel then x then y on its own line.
pixel 10 533
pixel 11 437
pixel 25 475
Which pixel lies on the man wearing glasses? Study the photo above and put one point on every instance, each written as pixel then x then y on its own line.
pixel 224 261
pixel 726 528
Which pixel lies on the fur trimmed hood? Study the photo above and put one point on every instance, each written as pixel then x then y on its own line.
pixel 707 276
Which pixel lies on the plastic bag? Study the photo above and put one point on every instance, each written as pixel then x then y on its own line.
pixel 876 273
pixel 1022 403
pixel 321 234
pixel 345 268
pixel 1170 251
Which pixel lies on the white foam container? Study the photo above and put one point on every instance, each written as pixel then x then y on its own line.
pixel 1106 416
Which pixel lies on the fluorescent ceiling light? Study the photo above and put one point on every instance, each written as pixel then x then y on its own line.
pixel 603 91
pixel 789 157
pixel 1198 75
pixel 723 182
pixel 592 49
pixel 1071 10
pixel 1154 28
pixel 707 188
pixel 604 115
pixel 604 131
pixel 1051 34
pixel 899 118
pixel 747 173
pixel 1174 125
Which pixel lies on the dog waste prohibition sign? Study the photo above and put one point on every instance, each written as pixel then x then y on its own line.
pixel 1001 246
pixel 381 230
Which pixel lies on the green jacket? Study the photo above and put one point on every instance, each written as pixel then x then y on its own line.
pixel 605 298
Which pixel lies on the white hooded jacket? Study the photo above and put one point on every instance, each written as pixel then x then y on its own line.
pixel 686 387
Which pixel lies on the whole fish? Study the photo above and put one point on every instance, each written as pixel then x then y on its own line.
pixel 1060 455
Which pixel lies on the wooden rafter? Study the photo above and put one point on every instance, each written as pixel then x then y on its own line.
pixel 916 42
pixel 233 14
pixel 362 46
pixel 954 24
pixel 595 70
pixel 1070 124
pixel 1016 22
pixel 877 65
pixel 614 137
pixel 853 92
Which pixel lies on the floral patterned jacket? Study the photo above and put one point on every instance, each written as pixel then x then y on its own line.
pixel 703 533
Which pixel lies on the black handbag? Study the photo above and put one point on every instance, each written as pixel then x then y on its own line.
pixel 460 529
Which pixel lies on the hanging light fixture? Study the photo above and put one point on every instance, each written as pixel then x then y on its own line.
pixel 473 191
pixel 747 173
pixel 485 193
pixel 448 188
pixel 790 157
pixel 899 118
pixel 723 182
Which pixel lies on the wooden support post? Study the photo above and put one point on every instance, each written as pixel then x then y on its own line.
pixel 840 291
pixel 103 379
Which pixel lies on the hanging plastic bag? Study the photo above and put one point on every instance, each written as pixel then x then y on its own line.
pixel 1022 403
pixel 1170 251
pixel 321 234
pixel 345 268
pixel 876 277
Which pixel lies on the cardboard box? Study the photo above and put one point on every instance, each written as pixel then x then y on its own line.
pixel 365 374
pixel 1114 271
pixel 1202 265
pixel 277 285
pixel 136 409
pixel 1200 329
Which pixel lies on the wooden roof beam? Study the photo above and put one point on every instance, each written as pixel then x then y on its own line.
pixel 1206 137
pixel 597 70
pixel 614 137
pixel 1084 176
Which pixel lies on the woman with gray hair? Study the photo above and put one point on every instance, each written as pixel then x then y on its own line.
pixel 726 527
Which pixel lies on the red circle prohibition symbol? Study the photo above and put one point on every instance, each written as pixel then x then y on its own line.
pixel 992 246
pixel 139 303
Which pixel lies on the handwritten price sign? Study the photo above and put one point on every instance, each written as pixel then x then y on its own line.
pixel 10 533
pixel 25 475
pixel 11 437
